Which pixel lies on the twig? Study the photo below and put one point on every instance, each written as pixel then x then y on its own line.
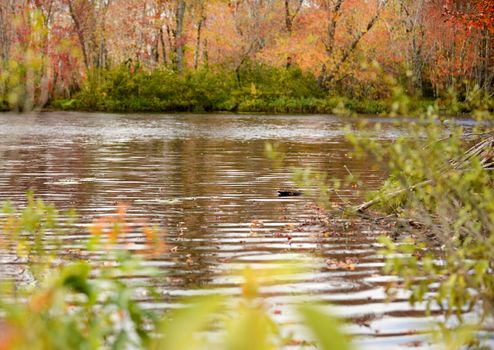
pixel 364 206
pixel 340 197
pixel 348 170
pixel 483 149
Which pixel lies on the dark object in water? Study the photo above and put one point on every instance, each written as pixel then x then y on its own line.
pixel 289 193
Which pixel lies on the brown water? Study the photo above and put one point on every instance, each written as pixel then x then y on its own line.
pixel 206 178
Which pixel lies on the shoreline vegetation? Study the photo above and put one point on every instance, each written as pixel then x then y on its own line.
pixel 293 56
pixel 254 89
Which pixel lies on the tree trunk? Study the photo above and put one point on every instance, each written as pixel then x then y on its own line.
pixel 417 83
pixel 485 57
pixel 170 35
pixel 205 55
pixel 290 15
pixel 353 46
pixel 322 76
pixel 79 28
pixel 198 42
pixel 331 29
pixel 179 45
pixel 4 33
pixel 163 46
pixel 288 18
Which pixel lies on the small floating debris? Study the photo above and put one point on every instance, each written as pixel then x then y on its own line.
pixel 159 201
pixel 256 224
pixel 289 193
pixel 64 181
pixel 170 201
pixel 88 179
pixel 346 264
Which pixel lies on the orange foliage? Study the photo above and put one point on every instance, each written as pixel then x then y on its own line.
pixel 471 13
pixel 443 34
pixel 116 226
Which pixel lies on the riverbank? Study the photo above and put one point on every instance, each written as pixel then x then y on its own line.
pixel 254 89
pixel 282 105
pixel 310 105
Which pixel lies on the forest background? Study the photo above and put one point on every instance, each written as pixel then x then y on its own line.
pixel 244 55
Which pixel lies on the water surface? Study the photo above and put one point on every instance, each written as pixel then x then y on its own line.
pixel 206 178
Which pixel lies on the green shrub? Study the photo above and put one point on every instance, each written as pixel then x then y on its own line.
pixel 257 88
pixel 369 107
pixel 254 88
pixel 436 185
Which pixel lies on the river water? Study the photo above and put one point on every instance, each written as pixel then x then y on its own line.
pixel 206 178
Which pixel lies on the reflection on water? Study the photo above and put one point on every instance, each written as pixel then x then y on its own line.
pixel 205 178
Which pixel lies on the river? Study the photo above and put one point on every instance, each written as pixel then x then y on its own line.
pixel 206 178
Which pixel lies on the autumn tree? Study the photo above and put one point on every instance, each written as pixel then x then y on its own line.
pixel 252 19
pixel 477 18
pixel 6 10
pixel 179 35
pixel 339 54
pixel 427 44
pixel 89 18
pixel 412 13
pixel 198 9
pixel 167 21
pixel 475 13
pixel 292 9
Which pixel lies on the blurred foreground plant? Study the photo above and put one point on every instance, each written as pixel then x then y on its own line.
pixel 24 77
pixel 440 193
pixel 72 302
pixel 85 301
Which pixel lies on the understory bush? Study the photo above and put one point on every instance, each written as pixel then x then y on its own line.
pixel 253 88
pixel 440 191
pixel 438 202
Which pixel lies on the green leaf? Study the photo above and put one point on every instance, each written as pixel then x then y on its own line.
pixel 76 278
pixel 325 328
pixel 180 329
pixel 250 329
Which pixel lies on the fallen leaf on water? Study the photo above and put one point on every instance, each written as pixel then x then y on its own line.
pixel 413 344
pixel 256 224
pixel 189 260
pixel 347 264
